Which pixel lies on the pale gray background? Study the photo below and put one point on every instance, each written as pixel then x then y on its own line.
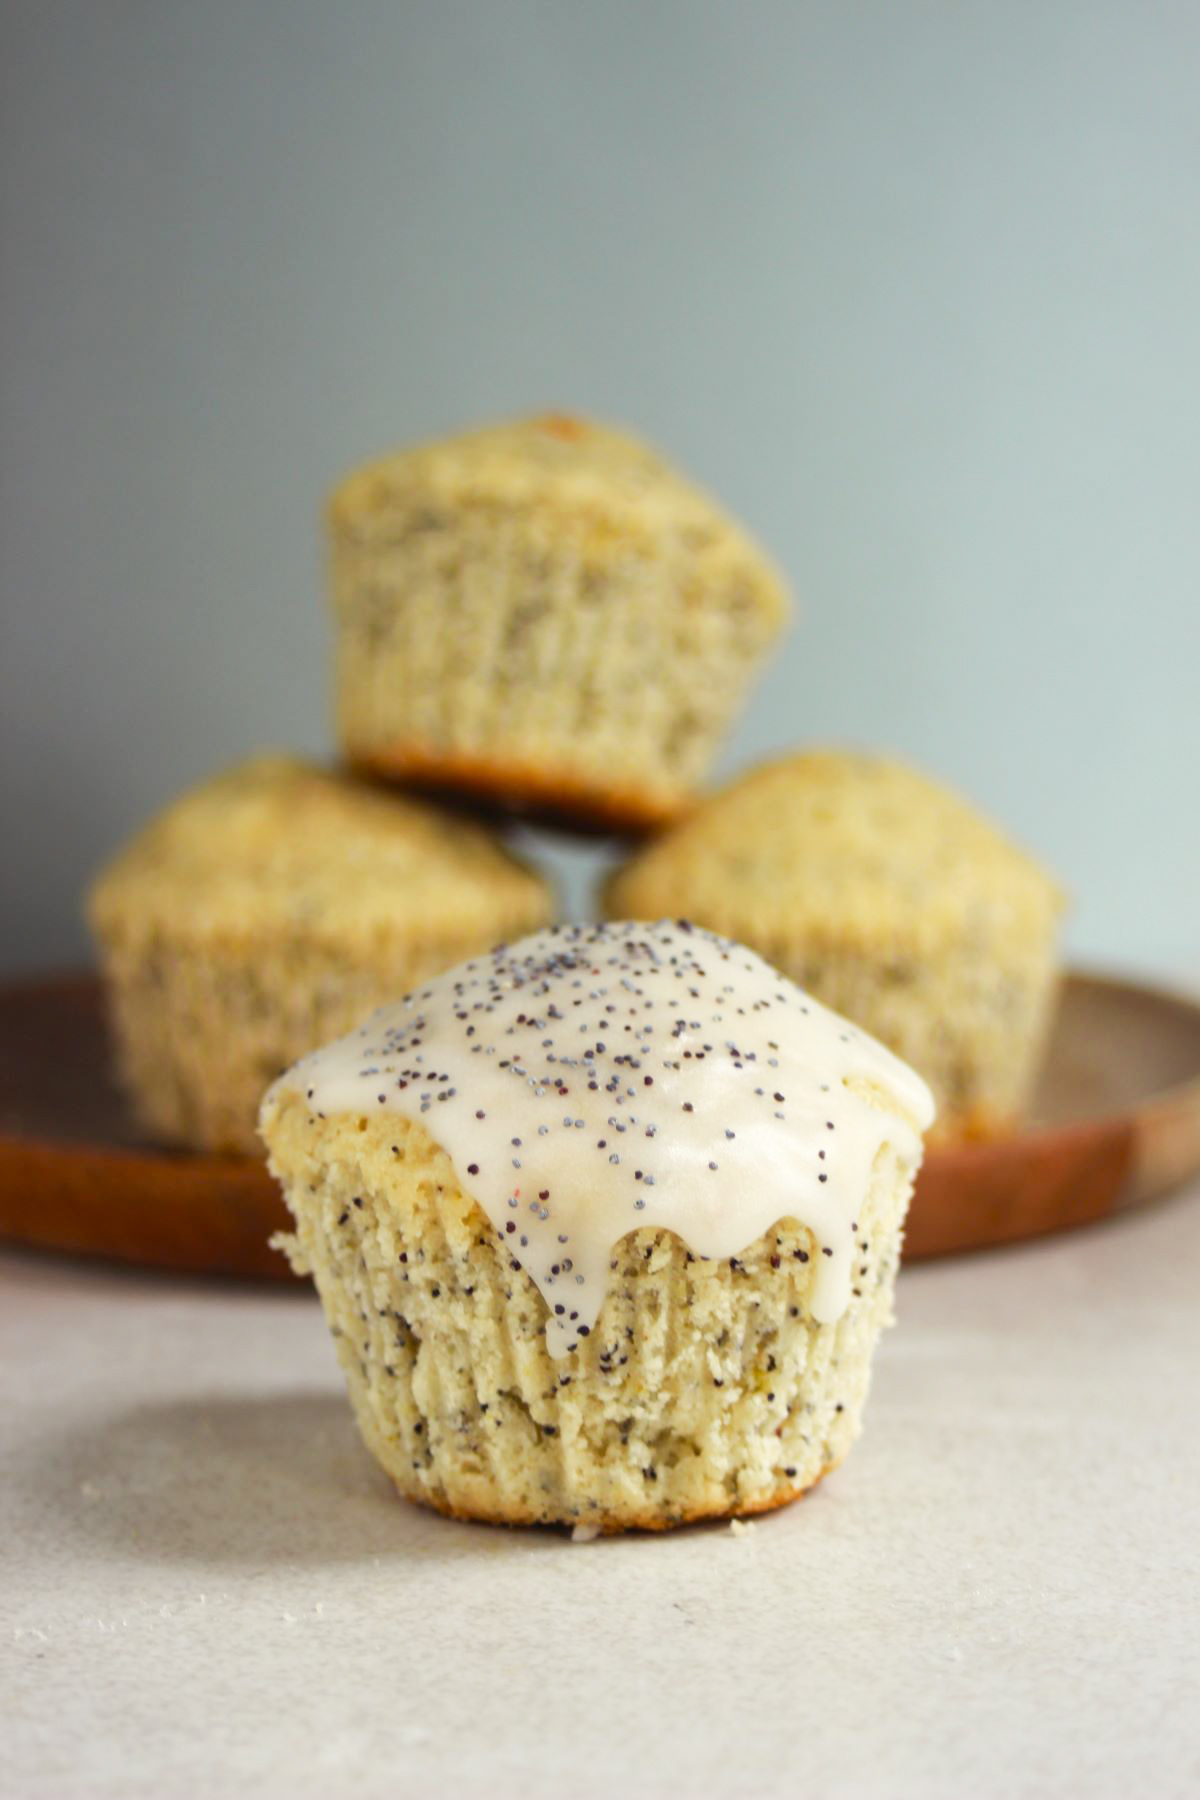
pixel 915 287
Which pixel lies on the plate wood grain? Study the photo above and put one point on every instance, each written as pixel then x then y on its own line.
pixel 1117 1124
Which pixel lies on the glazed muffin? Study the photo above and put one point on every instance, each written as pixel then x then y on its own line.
pixel 892 901
pixel 545 614
pixel 271 909
pixel 605 1226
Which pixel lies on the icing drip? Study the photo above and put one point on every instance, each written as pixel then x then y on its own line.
pixel 594 1079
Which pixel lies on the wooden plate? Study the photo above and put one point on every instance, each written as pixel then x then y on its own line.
pixel 1119 1124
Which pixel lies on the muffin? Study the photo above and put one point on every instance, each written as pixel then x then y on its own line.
pixel 605 1226
pixel 889 899
pixel 271 909
pixel 544 614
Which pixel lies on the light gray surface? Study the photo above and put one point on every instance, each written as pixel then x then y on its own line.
pixel 914 287
pixel 205 1587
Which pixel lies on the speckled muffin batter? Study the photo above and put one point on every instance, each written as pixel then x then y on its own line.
pixel 271 909
pixel 605 1227
pixel 891 900
pixel 545 614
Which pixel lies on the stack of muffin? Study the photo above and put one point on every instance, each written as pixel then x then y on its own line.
pixel 549 618
pixel 540 1321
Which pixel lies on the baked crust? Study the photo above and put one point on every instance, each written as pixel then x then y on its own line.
pixel 612 1525
pixel 528 790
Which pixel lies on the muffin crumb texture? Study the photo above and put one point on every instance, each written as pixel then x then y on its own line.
pixel 546 614
pixel 271 909
pixel 605 1226
pixel 706 1389
pixel 890 900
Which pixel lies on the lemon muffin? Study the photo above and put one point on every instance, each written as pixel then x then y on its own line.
pixel 545 614
pixel 892 901
pixel 605 1226
pixel 271 909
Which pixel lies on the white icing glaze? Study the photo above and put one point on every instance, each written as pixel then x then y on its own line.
pixel 594 1079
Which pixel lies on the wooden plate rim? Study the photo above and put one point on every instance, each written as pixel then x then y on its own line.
pixel 1141 1151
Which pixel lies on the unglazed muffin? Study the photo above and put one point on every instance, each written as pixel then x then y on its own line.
pixel 892 901
pixel 271 909
pixel 605 1226
pixel 545 614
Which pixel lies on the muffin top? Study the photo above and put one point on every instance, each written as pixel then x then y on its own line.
pixel 841 849
pixel 593 1080
pixel 604 489
pixel 274 845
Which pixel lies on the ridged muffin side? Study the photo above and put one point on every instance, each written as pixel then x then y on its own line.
pixel 545 613
pixel 892 901
pixel 271 909
pixel 705 1390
